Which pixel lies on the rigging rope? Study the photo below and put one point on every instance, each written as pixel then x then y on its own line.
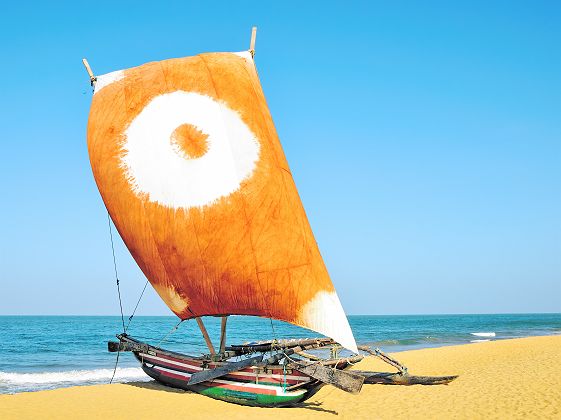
pixel 118 293
pixel 170 332
pixel 273 329
pixel 115 368
pixel 116 277
pixel 137 303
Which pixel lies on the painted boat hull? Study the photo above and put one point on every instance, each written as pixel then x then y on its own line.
pixel 269 387
pixel 234 392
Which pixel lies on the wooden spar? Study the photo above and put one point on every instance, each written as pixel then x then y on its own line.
pixel 280 344
pixel 93 79
pixel 335 362
pixel 402 379
pixel 309 356
pixel 389 360
pixel 205 335
pixel 207 375
pixel 223 334
pixel 252 42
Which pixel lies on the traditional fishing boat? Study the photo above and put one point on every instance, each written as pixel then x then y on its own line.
pixel 188 163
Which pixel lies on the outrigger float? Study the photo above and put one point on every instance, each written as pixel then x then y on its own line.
pixel 190 168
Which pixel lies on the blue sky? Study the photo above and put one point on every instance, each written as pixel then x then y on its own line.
pixel 424 137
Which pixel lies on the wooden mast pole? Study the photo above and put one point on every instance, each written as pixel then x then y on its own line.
pixel 205 335
pixel 223 334
pixel 93 79
pixel 252 42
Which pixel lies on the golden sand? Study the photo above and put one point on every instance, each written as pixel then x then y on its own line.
pixel 501 379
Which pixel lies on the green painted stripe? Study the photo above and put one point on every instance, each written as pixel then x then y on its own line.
pixel 249 398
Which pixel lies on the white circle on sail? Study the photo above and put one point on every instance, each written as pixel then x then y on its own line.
pixel 158 170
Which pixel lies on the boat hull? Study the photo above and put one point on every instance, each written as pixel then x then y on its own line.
pixel 272 387
pixel 235 392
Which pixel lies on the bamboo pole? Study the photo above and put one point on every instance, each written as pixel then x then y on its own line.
pixel 205 335
pixel 93 79
pixel 389 360
pixel 223 334
pixel 252 42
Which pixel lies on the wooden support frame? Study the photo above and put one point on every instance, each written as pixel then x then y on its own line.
pixel 223 334
pixel 386 358
pixel 205 335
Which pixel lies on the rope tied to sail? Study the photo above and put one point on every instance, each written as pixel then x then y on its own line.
pixel 136 306
pixel 118 292
pixel 170 332
pixel 116 274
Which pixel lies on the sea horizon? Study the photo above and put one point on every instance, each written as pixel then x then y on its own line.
pixel 411 314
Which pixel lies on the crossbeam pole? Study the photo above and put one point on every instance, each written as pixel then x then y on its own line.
pixel 205 335
pixel 223 334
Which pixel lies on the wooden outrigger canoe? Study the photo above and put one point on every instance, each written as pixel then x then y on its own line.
pixel 286 377
pixel 193 175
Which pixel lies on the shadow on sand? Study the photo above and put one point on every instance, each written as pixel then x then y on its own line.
pixel 157 387
pixel 316 406
pixel 153 385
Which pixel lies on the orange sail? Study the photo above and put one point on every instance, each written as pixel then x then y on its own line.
pixel 189 165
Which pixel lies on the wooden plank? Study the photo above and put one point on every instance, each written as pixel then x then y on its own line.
pixel 223 334
pixel 210 374
pixel 205 335
pixel 345 381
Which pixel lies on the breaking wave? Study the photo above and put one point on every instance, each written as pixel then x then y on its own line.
pixel 18 382
pixel 484 334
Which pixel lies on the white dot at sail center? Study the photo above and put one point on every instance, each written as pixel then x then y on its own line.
pixel 156 168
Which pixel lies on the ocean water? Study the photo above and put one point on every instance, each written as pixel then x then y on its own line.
pixel 46 352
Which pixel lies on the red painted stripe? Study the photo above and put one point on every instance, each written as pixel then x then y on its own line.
pixel 170 365
pixel 193 362
pixel 250 376
pixel 172 375
pixel 241 388
pixel 215 384
pixel 198 363
pixel 264 378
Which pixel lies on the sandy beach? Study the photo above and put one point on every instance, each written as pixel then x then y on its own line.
pixel 518 378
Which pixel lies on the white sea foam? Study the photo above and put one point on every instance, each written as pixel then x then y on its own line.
pixel 479 341
pixel 46 380
pixel 484 334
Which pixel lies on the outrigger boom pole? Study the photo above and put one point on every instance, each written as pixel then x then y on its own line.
pixel 93 79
